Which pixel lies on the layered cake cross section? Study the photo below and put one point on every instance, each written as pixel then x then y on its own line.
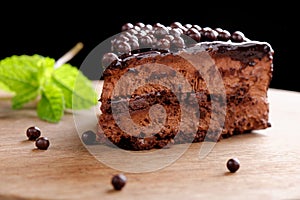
pixel 189 81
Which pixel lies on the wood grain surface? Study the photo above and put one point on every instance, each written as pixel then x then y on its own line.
pixel 270 162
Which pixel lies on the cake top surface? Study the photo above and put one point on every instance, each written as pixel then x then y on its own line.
pixel 139 39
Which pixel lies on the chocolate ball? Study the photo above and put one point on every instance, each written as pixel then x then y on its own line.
pixel 169 37
pixel 134 44
pixel 137 28
pixel 123 47
pixel 88 137
pixel 224 35
pixel 191 31
pixel 108 58
pixel 194 34
pixel 118 181
pixel 177 43
pixel 160 32
pixel 197 27
pixel 123 38
pixel 127 26
pixel 233 165
pixel 158 25
pixel 145 41
pixel 188 26
pixel 163 44
pixel 210 35
pixel 140 24
pixel 176 25
pixel 219 30
pixel 33 132
pixel 132 31
pixel 42 143
pixel 237 36
pixel 148 27
pixel 176 32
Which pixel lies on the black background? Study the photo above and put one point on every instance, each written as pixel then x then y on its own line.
pixel 51 30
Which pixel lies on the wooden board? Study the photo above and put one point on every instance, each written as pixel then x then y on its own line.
pixel 270 162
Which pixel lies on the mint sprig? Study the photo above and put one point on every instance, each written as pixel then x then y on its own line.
pixel 55 88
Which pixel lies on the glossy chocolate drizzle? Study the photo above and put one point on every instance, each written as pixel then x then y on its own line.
pixel 244 52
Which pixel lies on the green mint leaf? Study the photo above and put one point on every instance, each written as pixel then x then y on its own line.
pixel 78 90
pixel 51 105
pixel 3 87
pixel 21 74
pixel 24 97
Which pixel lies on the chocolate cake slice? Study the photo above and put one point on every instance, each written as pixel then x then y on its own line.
pixel 182 84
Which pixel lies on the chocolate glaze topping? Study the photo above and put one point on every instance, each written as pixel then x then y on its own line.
pixel 162 40
pixel 244 52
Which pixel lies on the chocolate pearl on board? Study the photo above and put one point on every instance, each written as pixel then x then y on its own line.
pixel 42 143
pixel 33 132
pixel 88 137
pixel 233 165
pixel 118 181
